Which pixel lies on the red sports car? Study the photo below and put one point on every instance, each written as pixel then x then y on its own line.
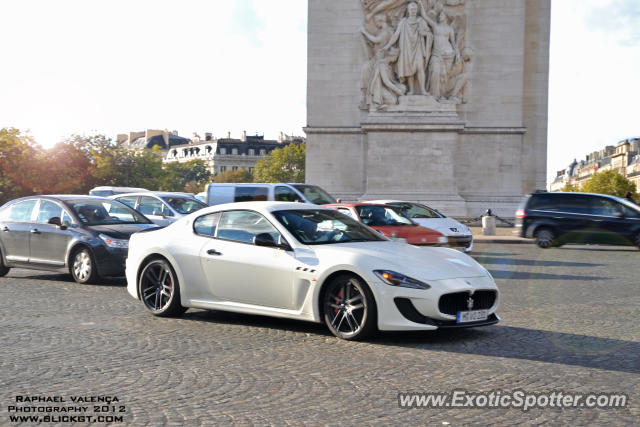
pixel 390 222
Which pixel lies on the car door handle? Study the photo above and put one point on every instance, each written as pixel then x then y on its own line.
pixel 35 231
pixel 5 228
pixel 214 252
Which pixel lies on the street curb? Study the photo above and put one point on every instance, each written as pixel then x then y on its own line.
pixel 504 241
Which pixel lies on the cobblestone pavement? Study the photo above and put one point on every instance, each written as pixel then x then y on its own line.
pixel 570 322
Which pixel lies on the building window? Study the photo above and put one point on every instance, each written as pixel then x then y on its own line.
pixel 223 168
pixel 252 152
pixel 223 150
pixel 234 168
pixel 234 151
pixel 263 152
pixel 251 170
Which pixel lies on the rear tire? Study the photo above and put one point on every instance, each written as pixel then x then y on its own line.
pixel 545 238
pixel 83 267
pixel 349 308
pixel 3 268
pixel 159 289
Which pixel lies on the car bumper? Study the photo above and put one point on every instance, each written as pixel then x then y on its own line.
pixel 404 309
pixel 110 261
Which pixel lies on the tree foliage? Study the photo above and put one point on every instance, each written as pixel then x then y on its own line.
pixel 285 164
pixel 81 162
pixel 568 188
pixel 240 175
pixel 609 182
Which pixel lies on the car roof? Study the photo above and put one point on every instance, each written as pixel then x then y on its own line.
pixel 268 206
pixel 153 193
pixel 356 204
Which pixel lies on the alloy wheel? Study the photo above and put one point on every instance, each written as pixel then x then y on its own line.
pixel 82 268
pixel 157 286
pixel 345 309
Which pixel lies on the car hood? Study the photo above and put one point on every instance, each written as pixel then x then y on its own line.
pixel 443 225
pixel 422 263
pixel 121 231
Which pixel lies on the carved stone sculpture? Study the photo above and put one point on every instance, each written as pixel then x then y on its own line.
pixel 426 37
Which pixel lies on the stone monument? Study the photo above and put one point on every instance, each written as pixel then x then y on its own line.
pixel 438 101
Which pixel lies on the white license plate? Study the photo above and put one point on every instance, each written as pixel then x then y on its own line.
pixel 472 316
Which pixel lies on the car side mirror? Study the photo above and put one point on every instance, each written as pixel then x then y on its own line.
pixel 56 221
pixel 158 213
pixel 264 239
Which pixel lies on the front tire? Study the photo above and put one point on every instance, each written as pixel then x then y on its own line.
pixel 159 289
pixel 3 268
pixel 545 238
pixel 83 267
pixel 349 308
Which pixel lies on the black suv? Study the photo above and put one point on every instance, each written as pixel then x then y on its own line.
pixel 554 219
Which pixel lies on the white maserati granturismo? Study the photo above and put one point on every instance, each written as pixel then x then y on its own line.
pixel 310 263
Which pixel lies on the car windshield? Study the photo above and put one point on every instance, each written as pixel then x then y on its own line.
pixel 381 216
pixel 184 205
pixel 315 194
pixel 413 210
pixel 324 227
pixel 105 212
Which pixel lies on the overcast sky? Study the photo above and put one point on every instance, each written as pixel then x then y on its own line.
pixel 79 66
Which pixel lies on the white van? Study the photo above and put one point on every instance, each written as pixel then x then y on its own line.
pixel 218 194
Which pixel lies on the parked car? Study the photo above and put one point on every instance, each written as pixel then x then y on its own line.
pixel 391 222
pixel 110 191
pixel 306 262
pixel 83 235
pixel 162 208
pixel 458 234
pixel 554 219
pixel 228 193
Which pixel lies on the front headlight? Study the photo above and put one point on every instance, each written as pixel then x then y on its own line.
pixel 443 239
pixel 396 279
pixel 114 243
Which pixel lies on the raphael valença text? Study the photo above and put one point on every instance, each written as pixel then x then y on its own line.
pixel 63 399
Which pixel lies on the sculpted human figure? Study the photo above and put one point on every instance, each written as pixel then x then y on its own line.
pixel 383 89
pixel 443 54
pixel 460 75
pixel 379 41
pixel 414 40
pixel 384 6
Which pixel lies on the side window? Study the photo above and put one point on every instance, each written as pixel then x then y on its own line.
pixel 243 226
pixel 206 225
pixel 21 212
pixel 284 194
pixel 47 211
pixel 346 212
pixel 66 218
pixel 574 204
pixel 129 201
pixel 150 206
pixel 251 194
pixel 604 207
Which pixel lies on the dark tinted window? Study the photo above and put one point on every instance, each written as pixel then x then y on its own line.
pixel 285 194
pixel 206 225
pixel 243 226
pixel 569 203
pixel 605 207
pixel 251 194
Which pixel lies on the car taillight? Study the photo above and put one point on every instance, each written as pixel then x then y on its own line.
pixel 520 213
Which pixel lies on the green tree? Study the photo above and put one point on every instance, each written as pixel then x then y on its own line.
pixel 568 188
pixel 282 165
pixel 186 176
pixel 609 182
pixel 240 175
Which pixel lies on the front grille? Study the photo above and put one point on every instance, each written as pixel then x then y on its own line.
pixel 460 242
pixel 453 303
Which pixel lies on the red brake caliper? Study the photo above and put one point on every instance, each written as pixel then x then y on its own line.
pixel 335 310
